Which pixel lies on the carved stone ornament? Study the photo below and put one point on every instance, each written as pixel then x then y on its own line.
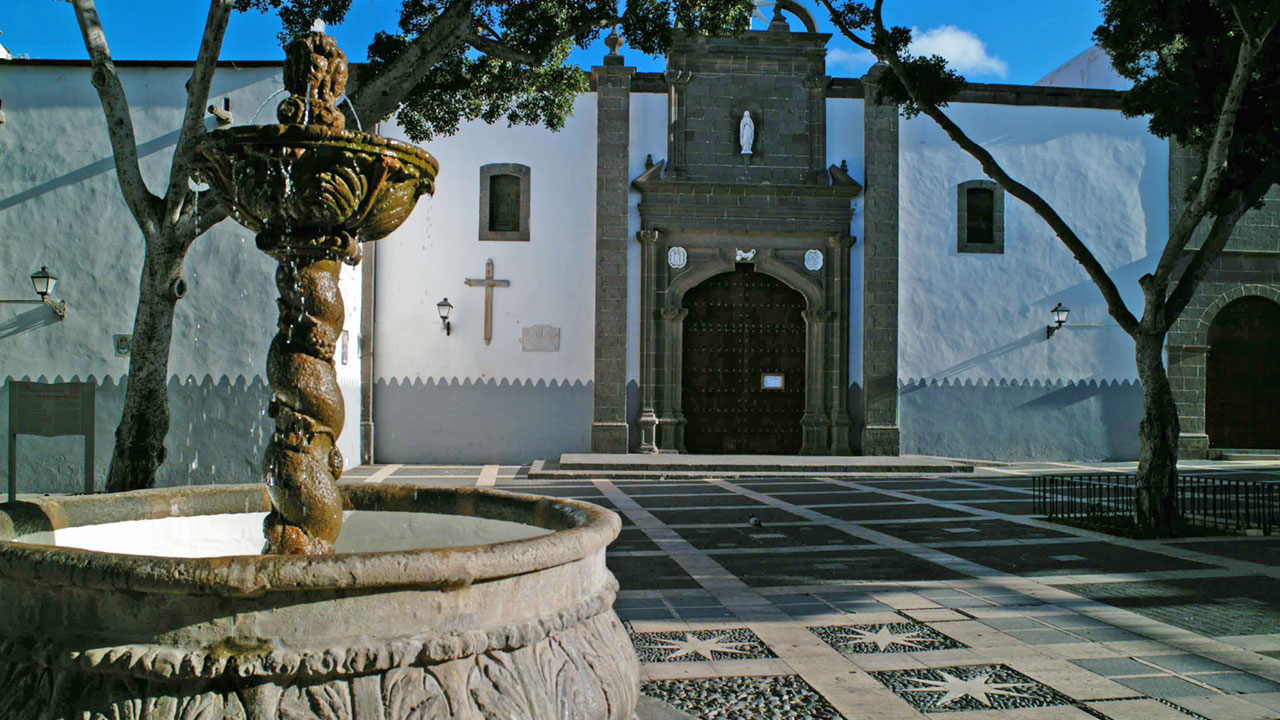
pixel 745 255
pixel 465 633
pixel 677 257
pixel 813 260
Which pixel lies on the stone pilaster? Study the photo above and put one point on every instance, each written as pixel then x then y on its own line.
pixel 880 274
pixel 613 108
pixel 648 421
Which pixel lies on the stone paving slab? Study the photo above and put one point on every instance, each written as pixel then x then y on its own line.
pixel 969 608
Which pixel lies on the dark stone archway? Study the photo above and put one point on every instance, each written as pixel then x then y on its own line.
pixel 1242 376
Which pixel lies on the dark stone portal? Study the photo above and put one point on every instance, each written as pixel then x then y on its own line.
pixel 744 365
pixel 1242 384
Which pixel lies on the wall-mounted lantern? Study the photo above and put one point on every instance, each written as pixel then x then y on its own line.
pixel 223 114
pixel 444 307
pixel 44 282
pixel 1059 318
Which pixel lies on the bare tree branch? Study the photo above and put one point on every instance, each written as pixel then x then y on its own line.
pixel 1215 165
pixel 124 144
pixel 381 96
pixel 215 29
pixel 1219 233
pixel 496 48
pixel 993 169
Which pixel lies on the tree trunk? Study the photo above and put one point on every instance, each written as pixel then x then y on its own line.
pixel 140 437
pixel 1155 509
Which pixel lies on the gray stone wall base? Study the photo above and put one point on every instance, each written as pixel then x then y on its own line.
pixel 1193 446
pixel 480 422
pixel 1016 420
pixel 228 416
pixel 880 440
pixel 608 437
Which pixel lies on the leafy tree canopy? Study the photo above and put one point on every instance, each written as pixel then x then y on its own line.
pixel 1180 55
pixel 507 58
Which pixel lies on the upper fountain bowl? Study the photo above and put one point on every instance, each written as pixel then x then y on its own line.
pixel 305 179
pixel 309 176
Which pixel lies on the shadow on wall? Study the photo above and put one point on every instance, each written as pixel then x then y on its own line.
pixel 36 317
pixel 79 175
pixel 217 433
pixel 854 399
pixel 1021 420
pixel 480 421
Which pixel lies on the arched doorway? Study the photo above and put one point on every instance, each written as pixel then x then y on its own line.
pixel 743 376
pixel 1242 377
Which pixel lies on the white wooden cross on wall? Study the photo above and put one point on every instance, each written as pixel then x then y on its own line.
pixel 488 283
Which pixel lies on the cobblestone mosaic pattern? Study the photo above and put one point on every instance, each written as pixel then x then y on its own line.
pixel 885 638
pixel 782 697
pixel 969 687
pixel 700 645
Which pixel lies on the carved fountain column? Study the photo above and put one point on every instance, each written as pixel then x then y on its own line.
pixel 311 190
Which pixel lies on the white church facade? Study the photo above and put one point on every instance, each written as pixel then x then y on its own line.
pixel 658 276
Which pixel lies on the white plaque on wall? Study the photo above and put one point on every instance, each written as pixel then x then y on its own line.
pixel 677 257
pixel 540 338
pixel 813 260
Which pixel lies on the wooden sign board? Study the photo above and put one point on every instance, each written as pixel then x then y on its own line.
pixel 50 410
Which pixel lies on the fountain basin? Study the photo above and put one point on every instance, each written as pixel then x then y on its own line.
pixel 520 628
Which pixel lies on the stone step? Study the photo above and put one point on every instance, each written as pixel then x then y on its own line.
pixel 579 466
pixel 1246 454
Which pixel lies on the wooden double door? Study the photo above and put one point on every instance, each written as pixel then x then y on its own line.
pixel 1242 378
pixel 743 367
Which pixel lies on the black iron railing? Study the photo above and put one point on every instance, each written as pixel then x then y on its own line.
pixel 1227 504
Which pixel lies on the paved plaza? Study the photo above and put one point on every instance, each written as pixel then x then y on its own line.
pixel 895 596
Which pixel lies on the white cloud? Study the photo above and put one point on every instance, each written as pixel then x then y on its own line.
pixel 858 60
pixel 962 50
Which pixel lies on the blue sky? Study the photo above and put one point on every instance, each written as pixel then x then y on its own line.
pixel 1012 41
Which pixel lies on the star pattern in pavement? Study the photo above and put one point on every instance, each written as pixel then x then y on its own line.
pixel 692 644
pixel 976 687
pixel 883 638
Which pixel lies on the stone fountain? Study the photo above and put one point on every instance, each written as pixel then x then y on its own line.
pixel 434 603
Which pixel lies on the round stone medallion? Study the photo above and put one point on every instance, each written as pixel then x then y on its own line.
pixel 677 257
pixel 813 260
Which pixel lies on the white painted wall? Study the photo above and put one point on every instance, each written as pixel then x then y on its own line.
pixel 61 206
pixel 983 317
pixel 552 276
pixel 1090 69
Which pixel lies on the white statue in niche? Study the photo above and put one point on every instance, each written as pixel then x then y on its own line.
pixel 746 132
